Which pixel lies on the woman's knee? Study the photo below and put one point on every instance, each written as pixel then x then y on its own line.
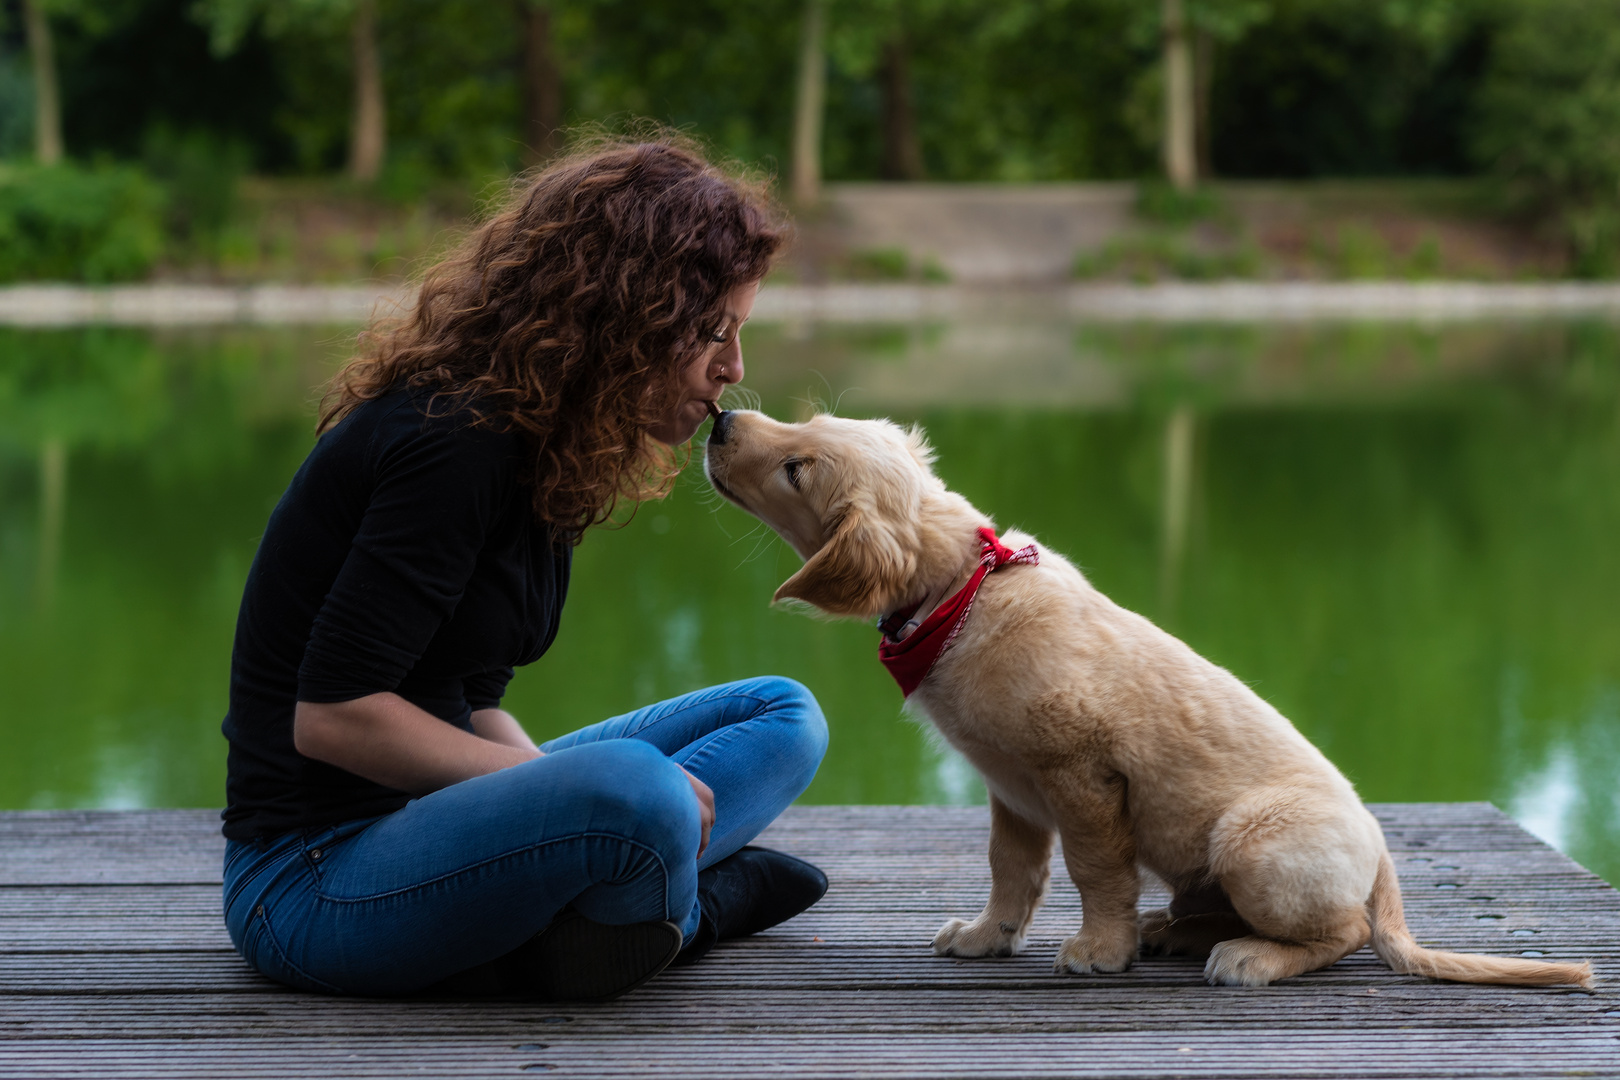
pixel 801 728
pixel 799 707
pixel 634 789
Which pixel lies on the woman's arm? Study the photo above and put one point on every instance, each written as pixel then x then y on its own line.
pixel 500 726
pixel 389 741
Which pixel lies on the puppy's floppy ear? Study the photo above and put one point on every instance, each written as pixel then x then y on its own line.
pixel 860 570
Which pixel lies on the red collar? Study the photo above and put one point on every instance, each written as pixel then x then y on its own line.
pixel 911 658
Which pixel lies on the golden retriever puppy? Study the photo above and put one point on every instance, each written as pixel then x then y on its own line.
pixel 1087 723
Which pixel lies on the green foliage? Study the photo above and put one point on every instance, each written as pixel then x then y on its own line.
pixel 882 264
pixel 67 222
pixel 1356 253
pixel 1160 201
pixel 201 174
pixel 230 21
pixel 1350 88
pixel 1018 90
pixel 1549 119
pixel 16 105
pixel 1159 254
pixel 891 264
pixel 1026 90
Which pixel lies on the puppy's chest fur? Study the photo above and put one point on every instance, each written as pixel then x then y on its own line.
pixel 1005 701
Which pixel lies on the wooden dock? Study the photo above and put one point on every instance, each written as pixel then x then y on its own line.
pixel 114 963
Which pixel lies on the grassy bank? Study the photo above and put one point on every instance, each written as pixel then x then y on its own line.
pixel 1329 231
pixel 106 223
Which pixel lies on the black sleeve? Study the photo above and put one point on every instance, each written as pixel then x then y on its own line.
pixel 436 492
pixel 485 690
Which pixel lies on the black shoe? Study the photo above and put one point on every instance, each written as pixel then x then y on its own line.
pixel 750 891
pixel 573 959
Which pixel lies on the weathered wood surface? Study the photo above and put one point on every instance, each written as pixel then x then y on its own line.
pixel 113 962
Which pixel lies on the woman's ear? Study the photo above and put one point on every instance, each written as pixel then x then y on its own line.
pixel 858 572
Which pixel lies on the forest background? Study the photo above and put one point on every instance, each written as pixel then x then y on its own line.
pixel 343 138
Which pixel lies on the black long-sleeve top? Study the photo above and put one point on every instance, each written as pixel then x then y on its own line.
pixel 405 556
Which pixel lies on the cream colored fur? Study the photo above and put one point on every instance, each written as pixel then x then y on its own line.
pixel 1091 724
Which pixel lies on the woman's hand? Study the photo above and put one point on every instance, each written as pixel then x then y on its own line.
pixel 389 741
pixel 705 799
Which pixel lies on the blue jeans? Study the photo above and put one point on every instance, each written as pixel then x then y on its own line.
pixel 605 822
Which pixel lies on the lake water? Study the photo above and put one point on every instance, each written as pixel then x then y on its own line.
pixel 1406 538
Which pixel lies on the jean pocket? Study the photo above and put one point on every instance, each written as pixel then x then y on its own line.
pixel 320 844
pixel 265 955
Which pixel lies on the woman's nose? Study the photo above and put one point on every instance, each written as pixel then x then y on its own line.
pixel 731 365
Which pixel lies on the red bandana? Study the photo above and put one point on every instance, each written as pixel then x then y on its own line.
pixel 911 659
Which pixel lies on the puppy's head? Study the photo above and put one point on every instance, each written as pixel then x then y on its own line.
pixel 846 494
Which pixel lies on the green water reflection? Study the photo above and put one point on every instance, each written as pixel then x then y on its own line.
pixel 1405 538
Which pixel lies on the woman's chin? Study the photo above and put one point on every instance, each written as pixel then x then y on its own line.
pixel 675 431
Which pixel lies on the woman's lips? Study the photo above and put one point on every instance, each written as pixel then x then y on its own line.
pixel 714 409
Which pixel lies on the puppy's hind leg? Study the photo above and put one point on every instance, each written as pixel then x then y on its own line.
pixel 1298 864
pixel 1198 919
pixel 1258 961
pixel 1020 864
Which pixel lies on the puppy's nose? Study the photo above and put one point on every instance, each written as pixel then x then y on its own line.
pixel 717 433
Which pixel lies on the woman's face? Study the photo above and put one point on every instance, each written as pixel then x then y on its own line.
pixel 719 365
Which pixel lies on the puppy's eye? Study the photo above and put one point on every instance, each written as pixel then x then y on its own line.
pixel 792 468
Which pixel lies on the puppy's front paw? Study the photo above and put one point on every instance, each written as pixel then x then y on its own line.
pixel 981 937
pixel 1085 952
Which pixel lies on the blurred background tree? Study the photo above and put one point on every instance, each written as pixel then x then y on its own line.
pixel 948 89
pixel 1548 119
pixel 407 96
pixel 318 22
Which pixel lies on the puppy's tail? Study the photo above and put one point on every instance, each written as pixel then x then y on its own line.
pixel 1394 945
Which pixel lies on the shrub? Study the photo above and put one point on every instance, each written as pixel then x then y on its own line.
pixel 1157 201
pixel 200 173
pixel 71 223
pixel 1549 119
pixel 892 264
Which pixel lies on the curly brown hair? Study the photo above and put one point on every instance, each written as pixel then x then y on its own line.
pixel 569 314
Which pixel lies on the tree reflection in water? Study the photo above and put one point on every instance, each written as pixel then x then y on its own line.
pixel 1401 536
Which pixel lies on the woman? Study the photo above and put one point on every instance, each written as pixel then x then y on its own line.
pixel 389 827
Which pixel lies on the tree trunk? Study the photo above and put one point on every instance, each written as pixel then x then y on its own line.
pixel 1180 161
pixel 52 507
pixel 1203 82
pixel 369 131
pixel 902 157
pixel 808 108
pixel 47 96
pixel 1179 432
pixel 542 84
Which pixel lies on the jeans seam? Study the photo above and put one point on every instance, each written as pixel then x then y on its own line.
pixel 251 874
pixel 281 954
pixel 525 850
pixel 763 703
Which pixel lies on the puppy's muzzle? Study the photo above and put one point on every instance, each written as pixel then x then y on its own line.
pixel 717 433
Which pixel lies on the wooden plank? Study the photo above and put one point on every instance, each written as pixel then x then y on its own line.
pixel 184 846
pixel 1436 1052
pixel 696 1007
pixel 113 962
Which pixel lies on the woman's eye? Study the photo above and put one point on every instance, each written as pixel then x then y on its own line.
pixel 718 337
pixel 792 468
